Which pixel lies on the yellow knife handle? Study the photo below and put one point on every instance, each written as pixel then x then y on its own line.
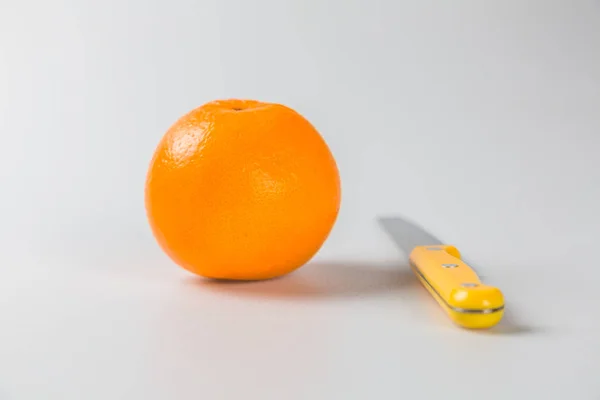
pixel 456 287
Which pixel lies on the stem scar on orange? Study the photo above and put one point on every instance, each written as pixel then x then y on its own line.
pixel 242 189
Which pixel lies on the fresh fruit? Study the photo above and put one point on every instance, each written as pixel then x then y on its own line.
pixel 242 190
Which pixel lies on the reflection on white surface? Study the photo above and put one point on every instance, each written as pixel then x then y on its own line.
pixel 330 329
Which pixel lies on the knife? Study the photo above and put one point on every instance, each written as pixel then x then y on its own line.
pixel 452 282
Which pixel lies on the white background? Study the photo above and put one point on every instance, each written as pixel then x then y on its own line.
pixel 479 120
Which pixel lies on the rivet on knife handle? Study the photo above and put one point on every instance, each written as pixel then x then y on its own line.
pixel 456 287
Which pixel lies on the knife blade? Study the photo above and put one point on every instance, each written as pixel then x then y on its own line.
pixel 447 277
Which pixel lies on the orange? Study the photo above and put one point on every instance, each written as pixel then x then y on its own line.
pixel 243 190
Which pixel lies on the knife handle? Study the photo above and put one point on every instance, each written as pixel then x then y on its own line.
pixel 456 286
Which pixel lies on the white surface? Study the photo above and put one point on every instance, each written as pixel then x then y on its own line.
pixel 479 120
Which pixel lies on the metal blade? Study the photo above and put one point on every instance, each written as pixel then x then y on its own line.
pixel 406 234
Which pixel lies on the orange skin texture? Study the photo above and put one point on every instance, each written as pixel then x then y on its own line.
pixel 242 190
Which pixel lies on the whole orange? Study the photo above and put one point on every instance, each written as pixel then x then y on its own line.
pixel 242 189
